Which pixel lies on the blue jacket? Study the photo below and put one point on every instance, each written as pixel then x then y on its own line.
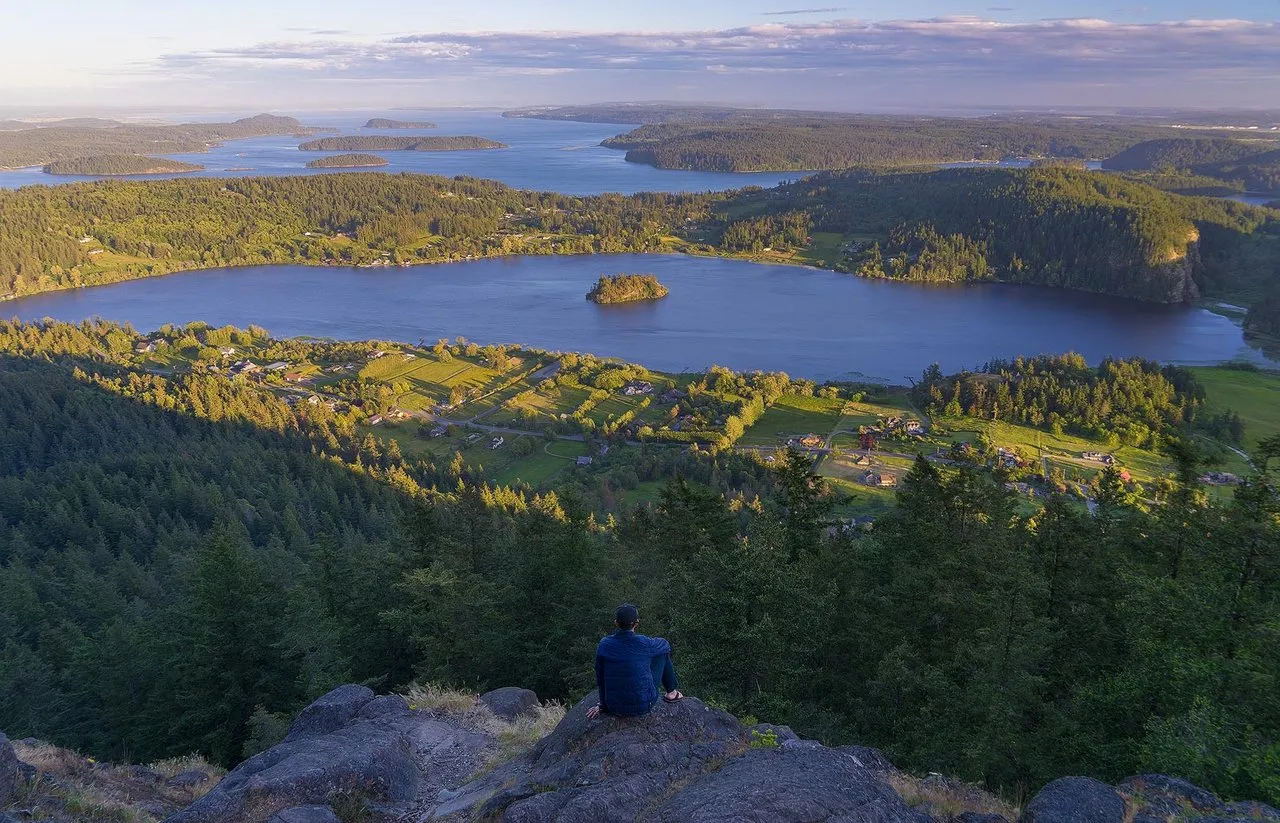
pixel 624 671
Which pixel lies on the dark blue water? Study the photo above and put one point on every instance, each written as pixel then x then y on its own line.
pixel 545 155
pixel 806 322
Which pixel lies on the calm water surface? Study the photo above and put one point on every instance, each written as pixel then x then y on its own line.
pixel 746 316
pixel 546 155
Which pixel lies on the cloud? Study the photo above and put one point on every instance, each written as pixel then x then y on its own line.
pixel 786 12
pixel 1186 58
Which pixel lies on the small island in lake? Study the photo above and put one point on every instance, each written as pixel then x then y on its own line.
pixel 119 164
pixel 626 288
pixel 384 123
pixel 347 161
pixel 375 142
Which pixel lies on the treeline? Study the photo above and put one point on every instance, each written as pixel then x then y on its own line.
pixel 768 143
pixel 374 142
pixel 1264 314
pixel 1135 402
pixel 347 161
pixel 119 164
pixel 1253 165
pixel 781 232
pixel 1053 227
pixel 624 288
pixel 38 146
pixel 185 561
pixel 174 225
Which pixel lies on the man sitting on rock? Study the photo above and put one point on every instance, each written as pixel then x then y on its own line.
pixel 630 667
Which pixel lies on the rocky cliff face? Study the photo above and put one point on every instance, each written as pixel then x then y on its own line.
pixel 354 756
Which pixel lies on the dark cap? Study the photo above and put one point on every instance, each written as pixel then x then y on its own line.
pixel 626 614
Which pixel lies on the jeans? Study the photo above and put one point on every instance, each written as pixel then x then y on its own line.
pixel 664 675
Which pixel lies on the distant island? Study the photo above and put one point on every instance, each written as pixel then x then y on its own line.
pixel 626 288
pixel 347 161
pixel 119 164
pixel 47 143
pixel 374 142
pixel 384 123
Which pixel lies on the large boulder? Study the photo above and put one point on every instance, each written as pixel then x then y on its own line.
pixel 1075 800
pixel 683 761
pixel 8 771
pixel 305 814
pixel 329 713
pixel 1151 787
pixel 801 784
pixel 511 702
pixel 382 752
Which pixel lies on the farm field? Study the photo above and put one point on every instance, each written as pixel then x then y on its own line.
pixel 794 414
pixel 1254 395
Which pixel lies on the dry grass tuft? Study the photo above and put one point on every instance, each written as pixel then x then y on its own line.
pixel 70 786
pixel 518 736
pixel 436 698
pixel 945 797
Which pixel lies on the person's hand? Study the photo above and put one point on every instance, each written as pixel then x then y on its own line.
pixel 593 712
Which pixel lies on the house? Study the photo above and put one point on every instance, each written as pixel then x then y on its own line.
pixel 584 460
pixel 673 396
pixel 294 377
pixel 410 356
pixel 227 351
pixel 313 400
pixel 811 441
pixel 243 367
pixel 144 347
pixel 1219 479
pixel 497 442
pixel 913 427
pixel 888 481
pixel 376 420
pixel 376 353
pixel 439 431
pixel 1099 457
pixel 637 387
pixel 893 423
pixel 278 365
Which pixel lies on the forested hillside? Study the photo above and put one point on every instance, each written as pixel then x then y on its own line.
pixel 1054 227
pixel 763 143
pixel 38 146
pixel 373 142
pixel 185 559
pixel 119 164
pixel 1253 164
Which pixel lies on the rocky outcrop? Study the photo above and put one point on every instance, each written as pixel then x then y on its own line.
pixel 683 762
pixel 1075 800
pixel 511 702
pixel 8 771
pixel 305 814
pixel 349 744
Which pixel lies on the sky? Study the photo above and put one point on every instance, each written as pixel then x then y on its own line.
pixel 921 55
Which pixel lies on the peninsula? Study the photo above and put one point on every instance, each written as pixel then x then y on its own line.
pixel 119 165
pixel 374 142
pixel 347 161
pixel 384 123
pixel 626 288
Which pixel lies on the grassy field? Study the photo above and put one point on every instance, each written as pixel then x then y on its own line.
pixel 1254 395
pixel 794 414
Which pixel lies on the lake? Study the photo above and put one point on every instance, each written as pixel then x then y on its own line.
pixel 809 323
pixel 545 155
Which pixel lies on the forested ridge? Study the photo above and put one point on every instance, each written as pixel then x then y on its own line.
pixel 119 164
pixel 185 560
pixel 346 161
pixel 385 123
pixel 837 142
pixel 374 142
pixel 38 146
pixel 1054 227
pixel 1252 164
